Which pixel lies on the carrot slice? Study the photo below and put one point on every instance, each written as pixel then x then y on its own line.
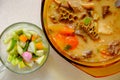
pixel 34 37
pixel 59 37
pixel 23 38
pixel 64 40
pixel 72 41
pixel 39 45
pixel 67 31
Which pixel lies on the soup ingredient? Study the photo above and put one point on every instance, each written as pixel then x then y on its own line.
pixel 91 31
pixel 66 36
pixel 62 3
pixel 80 33
pixel 66 31
pixel 114 48
pixel 88 5
pixel 71 41
pixel 27 56
pixel 87 21
pixel 73 5
pixel 105 11
pixel 66 15
pixel 88 17
pixel 108 51
pixel 24 45
pixel 88 0
pixel 87 54
pixel 105 28
pixel 67 47
pixel 117 3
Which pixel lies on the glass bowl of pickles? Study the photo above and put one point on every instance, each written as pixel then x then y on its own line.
pixel 23 47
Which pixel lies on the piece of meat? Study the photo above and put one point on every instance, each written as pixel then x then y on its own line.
pixel 76 6
pixel 91 31
pixel 79 33
pixel 73 4
pixel 104 28
pixel 89 5
pixel 94 15
pixel 82 15
pixel 87 54
pixel 117 3
pixel 66 15
pixel 105 11
pixel 87 0
pixel 63 3
pixel 54 19
pixel 114 48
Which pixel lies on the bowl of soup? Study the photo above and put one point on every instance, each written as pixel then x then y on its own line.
pixel 84 32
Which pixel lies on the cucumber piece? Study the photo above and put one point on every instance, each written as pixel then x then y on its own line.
pixel 31 47
pixel 21 64
pixel 28 35
pixel 38 39
pixel 33 33
pixel 19 31
pixel 14 61
pixel 7 40
pixel 11 44
pixel 39 53
pixel 22 44
pixel 15 36
pixel 19 49
pixel 10 57
pixel 30 64
pixel 40 60
pixel 13 51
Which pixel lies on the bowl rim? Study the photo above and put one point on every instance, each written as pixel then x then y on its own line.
pixel 41 31
pixel 81 63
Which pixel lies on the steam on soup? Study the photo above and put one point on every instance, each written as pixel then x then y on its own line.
pixel 86 30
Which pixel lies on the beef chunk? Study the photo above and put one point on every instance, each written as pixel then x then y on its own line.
pixel 105 11
pixel 117 3
pixel 114 48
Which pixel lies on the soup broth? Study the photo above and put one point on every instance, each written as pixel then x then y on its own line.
pixel 85 30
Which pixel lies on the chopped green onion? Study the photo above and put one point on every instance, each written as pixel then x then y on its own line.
pixel 87 21
pixel 67 47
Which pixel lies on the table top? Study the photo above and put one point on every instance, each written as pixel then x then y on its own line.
pixel 56 68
